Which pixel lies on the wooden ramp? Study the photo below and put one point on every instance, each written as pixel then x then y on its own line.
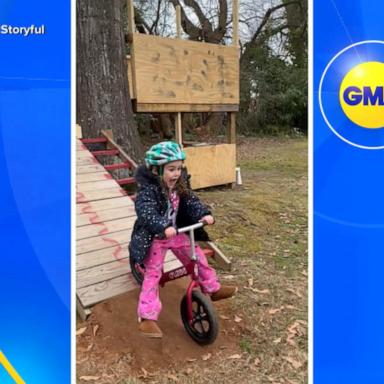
pixel 105 216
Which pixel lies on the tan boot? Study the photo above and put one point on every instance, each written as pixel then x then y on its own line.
pixel 150 328
pixel 224 292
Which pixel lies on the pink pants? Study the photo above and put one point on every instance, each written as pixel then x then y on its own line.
pixel 149 301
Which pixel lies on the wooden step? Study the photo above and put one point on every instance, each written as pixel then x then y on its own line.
pixel 94 140
pixel 112 167
pixel 106 152
pixel 126 181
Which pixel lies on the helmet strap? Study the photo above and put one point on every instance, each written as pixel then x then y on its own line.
pixel 161 170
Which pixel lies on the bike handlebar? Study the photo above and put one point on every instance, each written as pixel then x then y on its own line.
pixel 191 227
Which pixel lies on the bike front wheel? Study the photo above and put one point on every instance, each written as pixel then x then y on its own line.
pixel 204 326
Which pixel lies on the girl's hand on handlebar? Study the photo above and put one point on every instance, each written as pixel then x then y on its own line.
pixel 208 219
pixel 170 232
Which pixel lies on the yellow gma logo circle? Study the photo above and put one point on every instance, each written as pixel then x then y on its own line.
pixel 361 95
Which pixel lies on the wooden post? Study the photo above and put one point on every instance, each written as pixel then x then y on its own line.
pixel 231 129
pixel 178 21
pixel 179 130
pixel 131 17
pixel 178 127
pixel 235 23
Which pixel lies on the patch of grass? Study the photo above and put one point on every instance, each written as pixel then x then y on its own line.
pixel 246 345
pixel 262 227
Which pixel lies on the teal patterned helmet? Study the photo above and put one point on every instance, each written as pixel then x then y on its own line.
pixel 163 153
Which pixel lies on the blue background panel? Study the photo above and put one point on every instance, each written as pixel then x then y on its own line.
pixel 348 219
pixel 35 192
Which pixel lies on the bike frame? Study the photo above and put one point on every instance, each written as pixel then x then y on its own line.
pixel 194 277
pixel 190 269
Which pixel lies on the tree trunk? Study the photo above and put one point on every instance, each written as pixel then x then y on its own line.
pixel 103 100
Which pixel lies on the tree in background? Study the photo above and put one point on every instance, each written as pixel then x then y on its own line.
pixel 273 69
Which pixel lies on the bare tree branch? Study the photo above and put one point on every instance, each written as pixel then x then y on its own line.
pixel 155 22
pixel 187 25
pixel 261 26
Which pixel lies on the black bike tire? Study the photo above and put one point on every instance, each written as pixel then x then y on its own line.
pixel 204 338
pixel 136 274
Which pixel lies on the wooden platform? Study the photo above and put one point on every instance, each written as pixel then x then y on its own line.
pixel 104 220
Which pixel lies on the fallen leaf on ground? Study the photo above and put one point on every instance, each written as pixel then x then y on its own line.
pixel 277 341
pixel 95 328
pixel 191 360
pixel 293 327
pixel 262 291
pixel 250 282
pixel 89 347
pixel 295 364
pixel 298 294
pixel 228 277
pixel 238 319
pixel 172 377
pixel 256 362
pixel 224 317
pixel 80 331
pixel 290 340
pixel 206 357
pixel 82 360
pixel 145 373
pixel 236 356
pixel 89 378
pixel 273 311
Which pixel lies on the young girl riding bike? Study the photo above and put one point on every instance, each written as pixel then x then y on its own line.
pixel 163 204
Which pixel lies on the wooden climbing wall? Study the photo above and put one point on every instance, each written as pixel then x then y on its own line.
pixel 173 71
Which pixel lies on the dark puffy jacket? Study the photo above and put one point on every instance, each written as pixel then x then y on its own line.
pixel 151 207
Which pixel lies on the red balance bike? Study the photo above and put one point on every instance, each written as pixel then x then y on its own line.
pixel 196 309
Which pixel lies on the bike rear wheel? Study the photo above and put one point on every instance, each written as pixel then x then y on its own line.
pixel 138 276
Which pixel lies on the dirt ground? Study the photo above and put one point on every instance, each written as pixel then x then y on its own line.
pixel 262 227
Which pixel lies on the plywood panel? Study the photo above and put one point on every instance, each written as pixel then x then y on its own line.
pixel 101 273
pixel 115 268
pixel 86 161
pixel 80 169
pixel 101 242
pixel 79 133
pixel 105 228
pixel 105 290
pixel 101 194
pixel 83 153
pixel 211 165
pixel 93 176
pixel 102 256
pixel 104 215
pixel 185 72
pixel 130 80
pixel 100 205
pixel 170 107
pixel 97 185
pixel 80 146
